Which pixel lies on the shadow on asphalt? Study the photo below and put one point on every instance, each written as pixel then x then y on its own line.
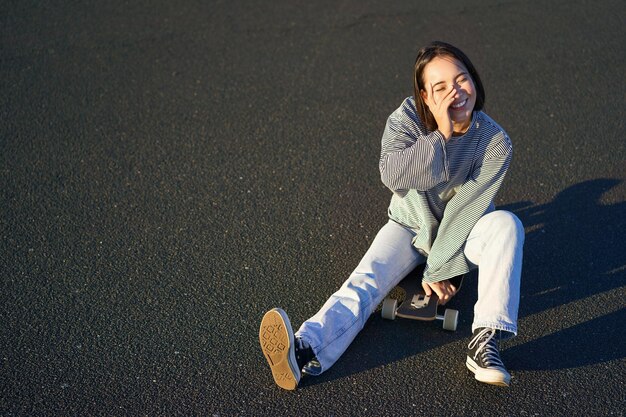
pixel 591 342
pixel 574 246
pixel 573 250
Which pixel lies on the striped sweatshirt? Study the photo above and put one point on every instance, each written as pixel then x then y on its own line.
pixel 440 190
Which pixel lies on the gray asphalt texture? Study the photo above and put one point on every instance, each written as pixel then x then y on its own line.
pixel 171 170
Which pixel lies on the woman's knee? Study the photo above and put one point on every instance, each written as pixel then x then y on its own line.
pixel 508 224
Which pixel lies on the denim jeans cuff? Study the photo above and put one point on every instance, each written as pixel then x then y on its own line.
pixel 505 331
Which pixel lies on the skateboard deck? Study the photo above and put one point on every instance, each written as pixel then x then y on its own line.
pixel 417 305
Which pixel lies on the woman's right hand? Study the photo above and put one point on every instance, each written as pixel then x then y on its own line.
pixel 445 290
pixel 439 103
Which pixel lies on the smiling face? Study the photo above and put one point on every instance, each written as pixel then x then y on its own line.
pixel 440 75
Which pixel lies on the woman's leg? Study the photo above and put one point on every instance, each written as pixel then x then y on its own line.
pixel 389 259
pixel 495 245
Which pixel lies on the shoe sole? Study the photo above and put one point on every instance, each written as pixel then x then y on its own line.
pixel 276 338
pixel 488 376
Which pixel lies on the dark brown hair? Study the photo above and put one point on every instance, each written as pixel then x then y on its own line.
pixel 424 56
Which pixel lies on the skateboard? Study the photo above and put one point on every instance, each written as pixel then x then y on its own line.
pixel 417 305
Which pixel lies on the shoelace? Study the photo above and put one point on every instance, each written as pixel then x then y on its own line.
pixel 488 351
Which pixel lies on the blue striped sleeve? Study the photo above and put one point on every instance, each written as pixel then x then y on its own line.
pixel 409 162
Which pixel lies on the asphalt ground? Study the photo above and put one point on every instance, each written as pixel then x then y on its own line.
pixel 171 170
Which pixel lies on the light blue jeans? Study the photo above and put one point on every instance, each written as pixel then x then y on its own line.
pixel 494 246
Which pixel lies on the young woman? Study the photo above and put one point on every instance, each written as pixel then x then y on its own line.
pixel 444 160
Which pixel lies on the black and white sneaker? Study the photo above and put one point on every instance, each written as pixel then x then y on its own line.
pixel 285 354
pixel 483 358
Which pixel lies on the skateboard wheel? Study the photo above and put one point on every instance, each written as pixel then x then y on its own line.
pixel 450 319
pixel 390 305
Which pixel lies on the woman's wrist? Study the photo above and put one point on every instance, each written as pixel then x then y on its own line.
pixel 446 135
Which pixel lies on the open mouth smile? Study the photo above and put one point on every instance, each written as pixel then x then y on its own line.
pixel 458 105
